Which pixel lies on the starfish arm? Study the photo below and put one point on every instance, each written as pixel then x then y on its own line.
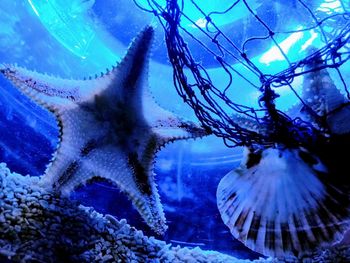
pixel 320 93
pixel 77 137
pixel 109 162
pixel 127 83
pixel 50 91
pixel 171 127
pixel 133 178
pixel 322 96
pixel 249 124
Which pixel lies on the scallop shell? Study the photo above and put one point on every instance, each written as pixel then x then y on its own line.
pixel 282 203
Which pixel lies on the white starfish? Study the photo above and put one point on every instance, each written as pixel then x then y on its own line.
pixel 110 127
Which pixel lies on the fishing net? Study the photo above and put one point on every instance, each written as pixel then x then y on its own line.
pixel 212 61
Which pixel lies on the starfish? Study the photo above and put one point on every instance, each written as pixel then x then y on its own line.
pixel 285 201
pixel 110 127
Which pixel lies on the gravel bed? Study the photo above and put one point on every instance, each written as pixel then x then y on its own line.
pixel 40 226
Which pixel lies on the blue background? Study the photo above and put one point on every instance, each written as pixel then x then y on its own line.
pixel 80 38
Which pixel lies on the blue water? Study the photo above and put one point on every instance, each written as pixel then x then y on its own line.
pixel 73 38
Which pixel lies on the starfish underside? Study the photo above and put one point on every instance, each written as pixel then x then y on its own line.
pixel 288 201
pixel 110 127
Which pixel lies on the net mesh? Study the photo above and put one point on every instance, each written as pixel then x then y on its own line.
pixel 215 100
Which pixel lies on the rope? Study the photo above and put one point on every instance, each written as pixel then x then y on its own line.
pixel 212 105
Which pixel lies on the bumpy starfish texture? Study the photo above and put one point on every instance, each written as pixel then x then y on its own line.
pixel 328 108
pixel 287 201
pixel 110 128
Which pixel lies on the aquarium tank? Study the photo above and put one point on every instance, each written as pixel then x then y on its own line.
pixel 174 131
